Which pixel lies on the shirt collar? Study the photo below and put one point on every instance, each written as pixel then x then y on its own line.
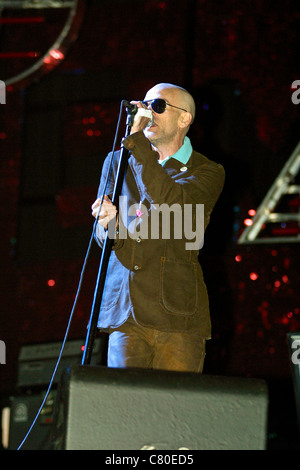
pixel 183 154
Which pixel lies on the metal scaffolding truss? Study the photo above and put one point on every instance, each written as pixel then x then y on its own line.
pixel 266 214
pixel 24 66
pixel 18 4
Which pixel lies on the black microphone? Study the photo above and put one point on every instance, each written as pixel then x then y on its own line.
pixel 131 108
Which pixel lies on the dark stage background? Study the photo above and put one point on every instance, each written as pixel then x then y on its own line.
pixel 239 60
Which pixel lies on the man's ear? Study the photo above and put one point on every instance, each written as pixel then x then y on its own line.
pixel 186 119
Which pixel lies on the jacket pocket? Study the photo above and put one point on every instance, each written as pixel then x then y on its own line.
pixel 178 286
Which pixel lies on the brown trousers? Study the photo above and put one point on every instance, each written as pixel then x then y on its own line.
pixel 132 345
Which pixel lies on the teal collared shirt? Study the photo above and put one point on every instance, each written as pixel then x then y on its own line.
pixel 183 154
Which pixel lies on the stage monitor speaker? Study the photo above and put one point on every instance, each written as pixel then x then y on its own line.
pixel 132 409
pixel 37 361
pixel 23 410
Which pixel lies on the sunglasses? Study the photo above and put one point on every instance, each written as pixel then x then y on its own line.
pixel 159 105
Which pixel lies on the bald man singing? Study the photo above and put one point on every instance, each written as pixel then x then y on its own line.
pixel 155 305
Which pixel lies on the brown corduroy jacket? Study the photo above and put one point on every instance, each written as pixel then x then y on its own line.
pixel 155 276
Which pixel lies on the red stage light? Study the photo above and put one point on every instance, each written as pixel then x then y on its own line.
pixel 19 55
pixel 36 19
pixel 56 54
pixel 248 222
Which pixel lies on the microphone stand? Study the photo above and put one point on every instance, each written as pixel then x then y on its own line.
pixel 106 250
